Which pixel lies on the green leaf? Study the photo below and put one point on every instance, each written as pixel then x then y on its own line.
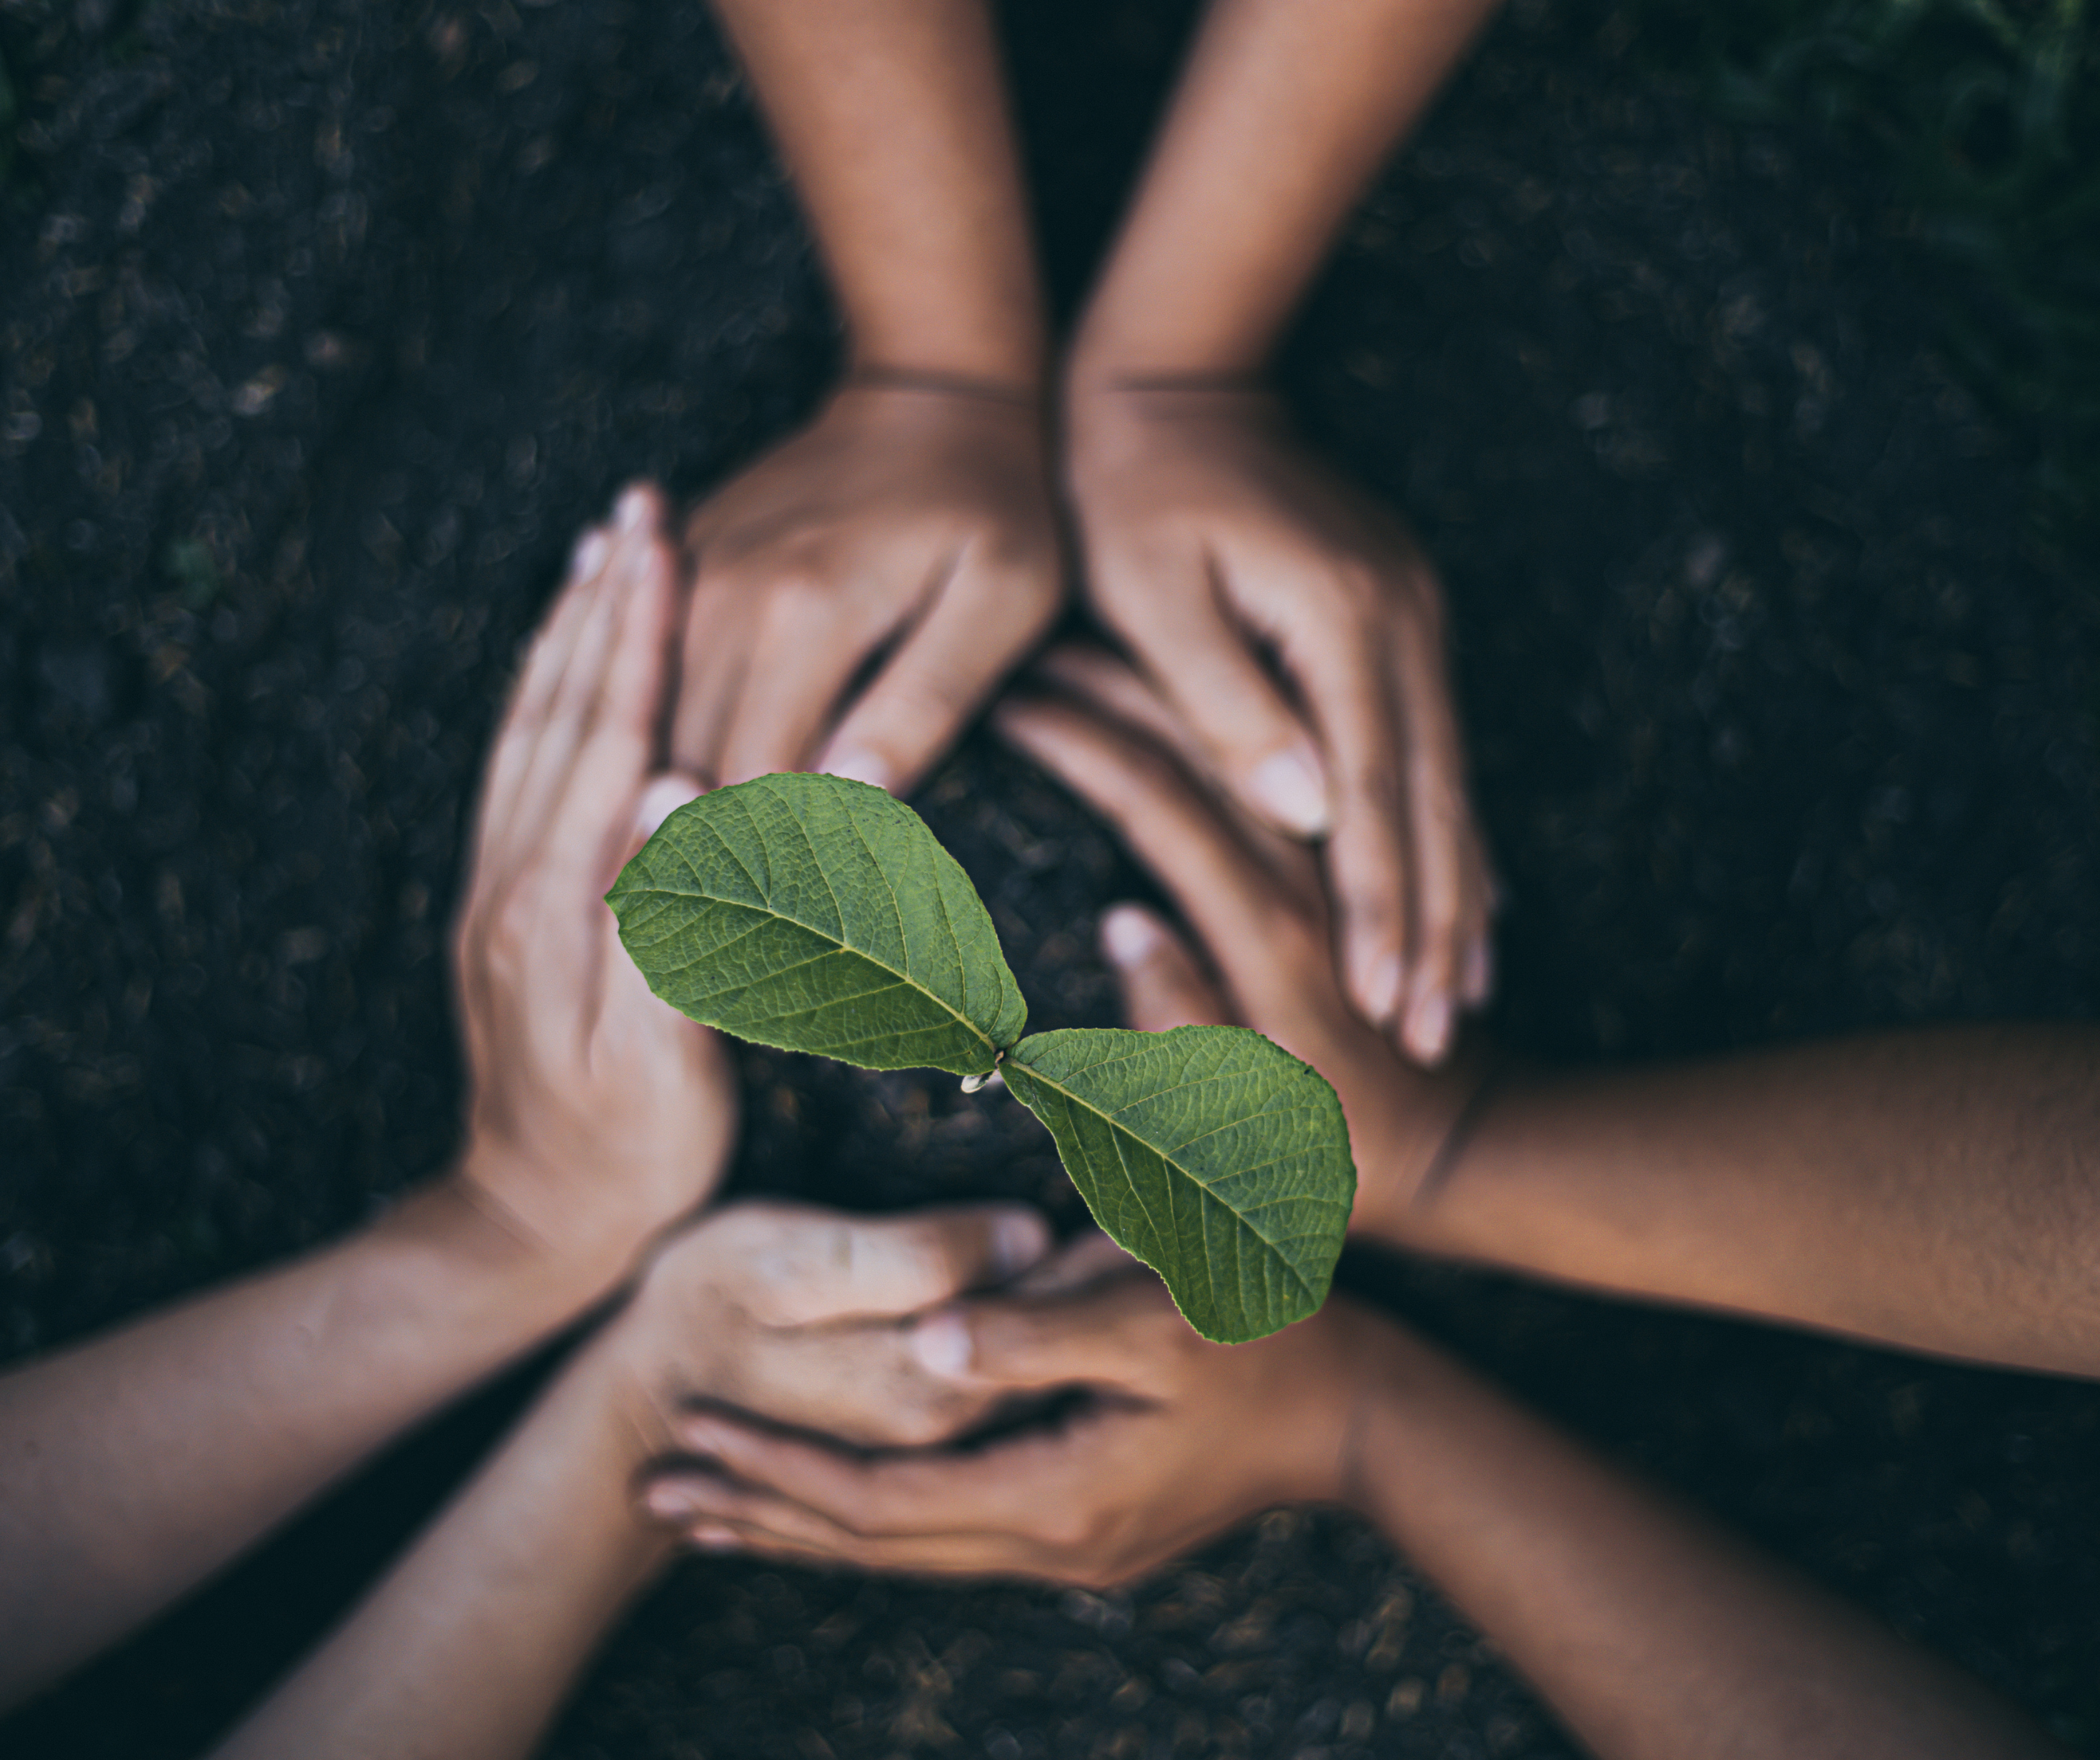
pixel 1210 1153
pixel 817 914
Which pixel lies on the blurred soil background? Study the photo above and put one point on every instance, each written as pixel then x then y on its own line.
pixel 1738 366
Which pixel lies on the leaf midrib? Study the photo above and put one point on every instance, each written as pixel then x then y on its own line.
pixel 1243 1218
pixel 843 947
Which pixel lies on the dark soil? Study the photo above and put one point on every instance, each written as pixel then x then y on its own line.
pixel 323 326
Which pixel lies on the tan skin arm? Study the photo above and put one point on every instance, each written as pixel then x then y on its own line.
pixel 1937 1189
pixel 133 1465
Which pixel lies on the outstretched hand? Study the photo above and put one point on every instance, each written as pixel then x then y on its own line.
pixel 910 530
pixel 1176 1439
pixel 599 1114
pixel 1214 546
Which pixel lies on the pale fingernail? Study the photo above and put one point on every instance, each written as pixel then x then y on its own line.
pixel 1429 1026
pixel 633 512
pixel 1381 991
pixel 664 796
pixel 669 1503
pixel 867 766
pixel 1019 1240
pixel 942 1344
pixel 590 556
pixel 1129 934
pixel 1290 787
pixel 714 1539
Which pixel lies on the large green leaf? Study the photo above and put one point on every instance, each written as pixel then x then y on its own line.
pixel 1213 1154
pixel 817 914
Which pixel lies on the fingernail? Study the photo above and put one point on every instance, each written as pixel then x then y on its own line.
pixel 1429 1026
pixel 633 512
pixel 867 766
pixel 590 556
pixel 1019 1240
pixel 1290 787
pixel 715 1539
pixel 1381 991
pixel 664 796
pixel 942 1344
pixel 669 1503
pixel 1129 934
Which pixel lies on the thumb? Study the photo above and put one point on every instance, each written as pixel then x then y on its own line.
pixel 1109 1334
pixel 662 795
pixel 1161 984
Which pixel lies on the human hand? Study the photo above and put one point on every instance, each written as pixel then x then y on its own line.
pixel 1215 544
pixel 599 1113
pixel 906 518
pixel 801 1316
pixel 1178 1439
pixel 1256 904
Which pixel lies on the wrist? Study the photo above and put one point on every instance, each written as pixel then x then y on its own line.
pixel 558 1268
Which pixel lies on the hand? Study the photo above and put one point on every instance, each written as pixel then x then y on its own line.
pixel 1178 1439
pixel 1255 902
pixel 801 1316
pixel 599 1113
pixel 1214 545
pixel 907 518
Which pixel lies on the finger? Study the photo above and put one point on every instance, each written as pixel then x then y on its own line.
pixel 713 663
pixel 1001 1489
pixel 1205 664
pixel 716 1516
pixel 545 660
pixel 1236 907
pixel 1113 1333
pixel 798 1267
pixel 573 702
pixel 1450 879
pixel 1347 687
pixel 1162 985
pixel 982 620
pixel 807 643
pixel 628 993
pixel 592 821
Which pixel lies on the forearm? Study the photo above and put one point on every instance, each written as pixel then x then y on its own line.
pixel 467 1647
pixel 1283 116
pixel 892 115
pixel 1936 1190
pixel 1652 1633
pixel 132 1466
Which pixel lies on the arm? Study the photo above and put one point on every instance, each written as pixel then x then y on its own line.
pixel 916 510
pixel 470 1644
pixel 1653 1635
pixel 1934 1190
pixel 1219 552
pixel 132 1466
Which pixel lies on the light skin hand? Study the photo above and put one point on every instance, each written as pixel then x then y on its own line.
pixel 468 1645
pixel 599 1115
pixel 909 527
pixel 133 1464
pixel 1298 631
pixel 1255 902
pixel 1157 1458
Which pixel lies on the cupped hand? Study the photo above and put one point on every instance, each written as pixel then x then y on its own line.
pixel 802 1317
pixel 1176 1439
pixel 1299 632
pixel 599 1114
pixel 1256 904
pixel 909 530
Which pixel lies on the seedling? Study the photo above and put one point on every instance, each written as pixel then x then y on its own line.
pixel 817 914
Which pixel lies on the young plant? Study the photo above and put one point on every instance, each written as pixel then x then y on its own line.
pixel 817 914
